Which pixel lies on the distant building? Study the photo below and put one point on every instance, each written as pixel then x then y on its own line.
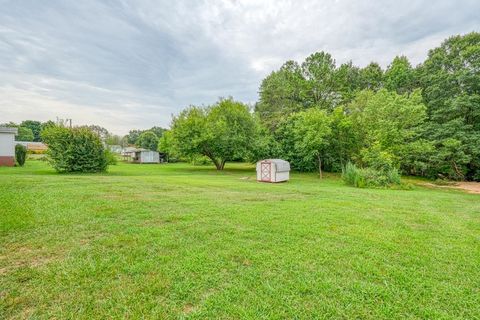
pixel 139 155
pixel 34 147
pixel 128 153
pixel 115 148
pixel 146 156
pixel 7 146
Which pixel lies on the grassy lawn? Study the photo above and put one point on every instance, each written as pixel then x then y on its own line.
pixel 177 241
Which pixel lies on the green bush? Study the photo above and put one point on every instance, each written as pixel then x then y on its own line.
pixel 200 160
pixel 75 150
pixel 111 157
pixel 20 154
pixel 369 177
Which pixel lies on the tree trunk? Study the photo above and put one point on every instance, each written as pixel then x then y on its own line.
pixel 320 167
pixel 218 164
pixel 215 162
pixel 222 165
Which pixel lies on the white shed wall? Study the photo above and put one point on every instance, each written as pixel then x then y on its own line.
pixel 274 175
pixel 282 176
pixel 7 144
pixel 149 157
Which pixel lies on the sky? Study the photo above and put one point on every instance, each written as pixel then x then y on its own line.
pixel 132 64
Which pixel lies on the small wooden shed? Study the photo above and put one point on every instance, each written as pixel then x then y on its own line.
pixel 146 156
pixel 273 170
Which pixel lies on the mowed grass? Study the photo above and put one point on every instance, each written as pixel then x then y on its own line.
pixel 178 241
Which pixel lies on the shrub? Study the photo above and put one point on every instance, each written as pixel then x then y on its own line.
pixel 369 177
pixel 111 157
pixel 377 158
pixel 200 160
pixel 20 154
pixel 75 150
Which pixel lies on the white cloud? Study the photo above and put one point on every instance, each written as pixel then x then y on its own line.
pixel 130 64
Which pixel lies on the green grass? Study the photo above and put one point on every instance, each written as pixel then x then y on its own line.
pixel 177 241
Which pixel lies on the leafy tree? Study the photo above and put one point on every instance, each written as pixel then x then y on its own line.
pixel 45 125
pixel 222 132
pixel 100 131
pixel 319 72
pixel 158 131
pixel 399 76
pixel 450 79
pixel 304 138
pixel 75 149
pixel 166 145
pixel 347 81
pixel 114 139
pixel 311 132
pixel 371 77
pixel 24 134
pixel 148 140
pixel 133 136
pixel 35 126
pixel 264 146
pixel 344 144
pixel 386 122
pixel 9 125
pixel 281 93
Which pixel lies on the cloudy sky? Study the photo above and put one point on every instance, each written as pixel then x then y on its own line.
pixel 131 64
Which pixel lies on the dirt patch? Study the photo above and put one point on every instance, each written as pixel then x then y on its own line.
pixel 470 187
pixel 26 257
pixel 188 308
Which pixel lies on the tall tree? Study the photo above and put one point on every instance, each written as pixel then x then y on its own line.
pixel 222 132
pixel 133 135
pixel 387 122
pixel 24 134
pixel 311 131
pixel 399 76
pixel 281 93
pixel 347 81
pixel 319 72
pixel 100 131
pixel 450 79
pixel 148 140
pixel 157 130
pixel 35 126
pixel 371 77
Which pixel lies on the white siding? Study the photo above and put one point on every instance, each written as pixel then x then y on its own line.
pixel 7 144
pixel 274 170
pixel 149 157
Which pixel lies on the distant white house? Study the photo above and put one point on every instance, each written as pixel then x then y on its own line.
pixel 146 156
pixel 115 148
pixel 7 146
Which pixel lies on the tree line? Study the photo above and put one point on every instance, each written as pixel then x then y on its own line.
pixel 422 120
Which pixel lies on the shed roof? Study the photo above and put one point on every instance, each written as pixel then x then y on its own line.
pixel 281 165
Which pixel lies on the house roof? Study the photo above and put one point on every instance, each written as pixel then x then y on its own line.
pixel 9 130
pixel 144 150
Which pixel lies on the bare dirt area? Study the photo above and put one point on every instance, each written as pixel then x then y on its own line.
pixel 470 187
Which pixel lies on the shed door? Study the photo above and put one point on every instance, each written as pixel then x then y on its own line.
pixel 265 171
